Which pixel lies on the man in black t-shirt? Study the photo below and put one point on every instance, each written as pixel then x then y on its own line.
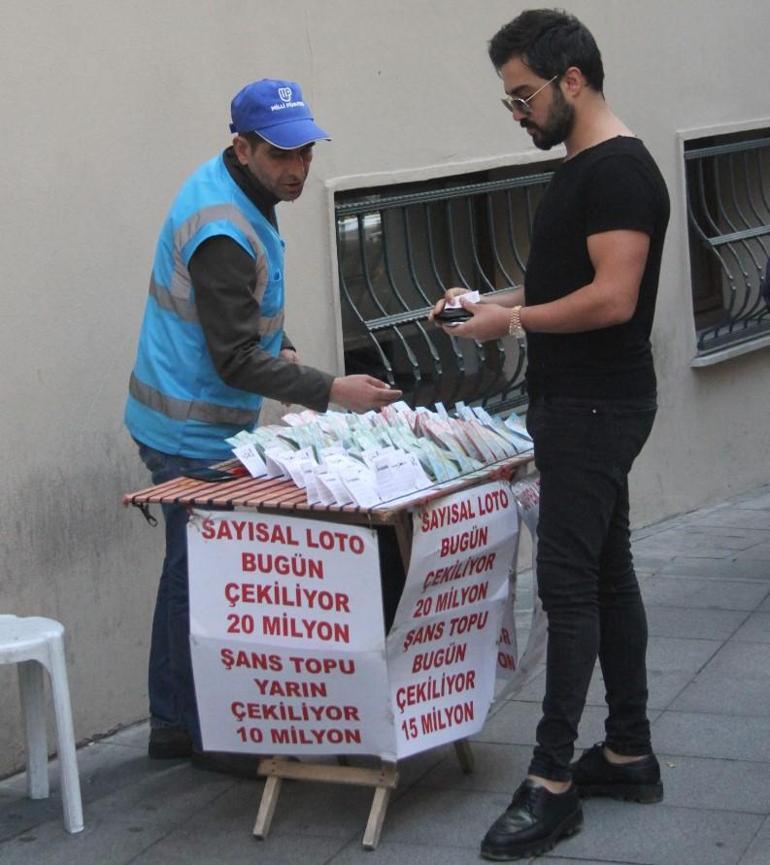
pixel 586 312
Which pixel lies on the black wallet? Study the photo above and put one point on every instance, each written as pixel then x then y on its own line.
pixel 453 315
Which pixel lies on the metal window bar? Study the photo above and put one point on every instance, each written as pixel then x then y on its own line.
pixel 398 252
pixel 728 208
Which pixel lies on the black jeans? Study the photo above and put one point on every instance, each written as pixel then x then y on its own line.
pixel 584 450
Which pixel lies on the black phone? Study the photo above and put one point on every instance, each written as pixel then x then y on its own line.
pixel 453 315
pixel 210 475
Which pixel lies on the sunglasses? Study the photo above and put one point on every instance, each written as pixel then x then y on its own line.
pixel 516 103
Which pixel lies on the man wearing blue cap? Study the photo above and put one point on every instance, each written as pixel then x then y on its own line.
pixel 212 346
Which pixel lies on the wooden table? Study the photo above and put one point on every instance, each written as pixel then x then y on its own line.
pixel 283 497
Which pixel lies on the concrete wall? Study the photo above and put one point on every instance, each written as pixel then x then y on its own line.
pixel 106 107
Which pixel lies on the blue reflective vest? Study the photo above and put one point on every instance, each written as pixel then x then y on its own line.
pixel 177 403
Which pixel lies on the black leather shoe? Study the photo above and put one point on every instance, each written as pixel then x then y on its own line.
pixel 639 781
pixel 239 765
pixel 169 743
pixel 534 822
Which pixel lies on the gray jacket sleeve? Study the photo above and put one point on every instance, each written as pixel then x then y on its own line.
pixel 224 280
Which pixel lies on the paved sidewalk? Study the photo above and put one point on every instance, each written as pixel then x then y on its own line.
pixel 706 581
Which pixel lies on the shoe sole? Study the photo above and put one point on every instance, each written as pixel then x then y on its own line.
pixel 645 794
pixel 570 826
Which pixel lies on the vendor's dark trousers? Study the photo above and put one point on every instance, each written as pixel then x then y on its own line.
pixel 170 679
pixel 584 450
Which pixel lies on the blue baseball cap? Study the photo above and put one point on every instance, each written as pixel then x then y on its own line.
pixel 276 111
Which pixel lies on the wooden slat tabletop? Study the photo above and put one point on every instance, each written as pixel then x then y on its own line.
pixel 281 496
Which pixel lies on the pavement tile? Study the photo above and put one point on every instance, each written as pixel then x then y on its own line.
pixel 551 860
pixel 102 842
pixel 758 852
pixel 702 540
pixel 725 785
pixel 742 659
pixel 760 552
pixel 696 624
pixel 759 849
pixel 395 853
pixel 675 655
pixel 711 735
pixel 660 834
pixel 165 798
pixel 715 569
pixel 451 818
pixel 323 810
pixel 132 736
pixel 729 516
pixel 103 767
pixel 735 682
pixel 516 724
pixel 756 629
pixel 104 770
pixel 19 814
pixel 650 562
pixel 754 500
pixel 223 834
pixel 665 549
pixel 720 694
pixel 707 594
pixel 497 769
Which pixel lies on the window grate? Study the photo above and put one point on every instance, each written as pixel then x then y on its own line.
pixel 400 248
pixel 728 208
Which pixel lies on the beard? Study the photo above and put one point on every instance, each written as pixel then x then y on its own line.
pixel 558 124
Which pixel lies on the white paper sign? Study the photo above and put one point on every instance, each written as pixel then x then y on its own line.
pixel 442 648
pixel 250 458
pixel 518 670
pixel 287 635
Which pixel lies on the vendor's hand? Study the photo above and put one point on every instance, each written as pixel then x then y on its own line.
pixel 362 392
pixel 448 295
pixel 489 321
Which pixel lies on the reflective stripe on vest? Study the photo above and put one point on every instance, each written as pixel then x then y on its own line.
pixel 182 410
pixel 180 280
pixel 185 309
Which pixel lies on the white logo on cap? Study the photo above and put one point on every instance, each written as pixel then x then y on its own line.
pixel 285 93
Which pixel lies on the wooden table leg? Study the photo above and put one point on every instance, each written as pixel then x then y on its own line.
pixel 376 818
pixel 267 806
pixel 464 755
pixel 384 779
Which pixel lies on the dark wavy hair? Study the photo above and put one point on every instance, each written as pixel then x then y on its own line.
pixel 549 41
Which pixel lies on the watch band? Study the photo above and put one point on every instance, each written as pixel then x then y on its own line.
pixel 514 325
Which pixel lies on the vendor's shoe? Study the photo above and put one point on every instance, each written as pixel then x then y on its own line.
pixel 535 820
pixel 594 775
pixel 169 743
pixel 239 765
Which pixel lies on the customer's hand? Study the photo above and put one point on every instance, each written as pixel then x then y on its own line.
pixel 488 321
pixel 448 295
pixel 362 393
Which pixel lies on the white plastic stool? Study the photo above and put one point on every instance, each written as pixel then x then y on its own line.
pixel 33 643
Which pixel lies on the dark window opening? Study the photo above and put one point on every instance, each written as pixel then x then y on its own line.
pixel 400 247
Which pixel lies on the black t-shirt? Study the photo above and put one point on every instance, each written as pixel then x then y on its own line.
pixel 615 185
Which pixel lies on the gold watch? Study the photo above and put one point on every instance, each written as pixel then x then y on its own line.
pixel 514 325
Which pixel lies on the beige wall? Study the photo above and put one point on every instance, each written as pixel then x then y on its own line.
pixel 107 106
